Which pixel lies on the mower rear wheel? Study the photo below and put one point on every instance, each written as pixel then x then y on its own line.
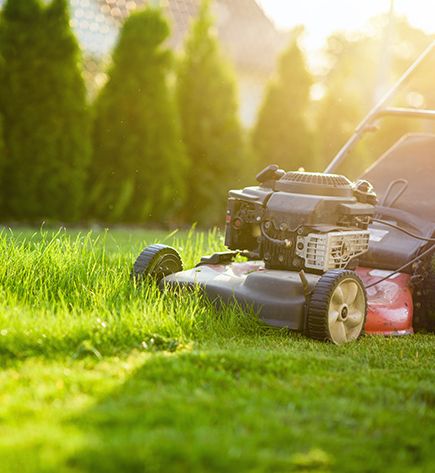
pixel 156 262
pixel 337 308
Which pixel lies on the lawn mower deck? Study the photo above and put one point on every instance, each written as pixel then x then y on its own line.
pixel 279 298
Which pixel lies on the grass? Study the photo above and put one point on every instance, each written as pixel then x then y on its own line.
pixel 99 375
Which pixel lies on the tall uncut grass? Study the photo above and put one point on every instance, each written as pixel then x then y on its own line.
pixel 69 294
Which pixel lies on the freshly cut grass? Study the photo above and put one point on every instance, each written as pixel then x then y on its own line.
pixel 100 374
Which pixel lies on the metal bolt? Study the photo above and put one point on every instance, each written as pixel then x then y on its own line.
pixel 297 263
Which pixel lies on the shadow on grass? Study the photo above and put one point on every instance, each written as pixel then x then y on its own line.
pixel 258 410
pixel 196 412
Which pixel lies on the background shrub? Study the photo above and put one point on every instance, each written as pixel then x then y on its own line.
pixel 207 100
pixel 139 162
pixel 281 135
pixel 46 123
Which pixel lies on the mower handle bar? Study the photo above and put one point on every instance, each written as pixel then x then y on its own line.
pixel 379 111
pixel 406 113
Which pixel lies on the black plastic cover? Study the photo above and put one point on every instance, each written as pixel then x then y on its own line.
pixel 389 248
pixel 411 158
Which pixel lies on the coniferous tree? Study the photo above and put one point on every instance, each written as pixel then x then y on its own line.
pixel 281 135
pixel 2 146
pixel 207 100
pixel 43 100
pixel 2 143
pixel 138 165
pixel 2 163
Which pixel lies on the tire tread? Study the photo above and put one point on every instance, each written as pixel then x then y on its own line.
pixel 317 320
pixel 148 256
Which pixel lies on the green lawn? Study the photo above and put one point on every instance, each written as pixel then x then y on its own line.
pixel 100 376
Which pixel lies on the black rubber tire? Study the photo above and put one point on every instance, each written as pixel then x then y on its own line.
pixel 317 314
pixel 156 262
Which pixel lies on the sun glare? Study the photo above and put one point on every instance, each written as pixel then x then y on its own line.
pixel 321 18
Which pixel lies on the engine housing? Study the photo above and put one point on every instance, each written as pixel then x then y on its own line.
pixel 301 220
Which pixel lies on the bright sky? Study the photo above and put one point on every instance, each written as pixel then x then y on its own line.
pixel 323 17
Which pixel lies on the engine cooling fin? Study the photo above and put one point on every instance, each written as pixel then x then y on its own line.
pixel 314 183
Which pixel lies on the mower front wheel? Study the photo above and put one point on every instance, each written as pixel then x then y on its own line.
pixel 156 262
pixel 337 308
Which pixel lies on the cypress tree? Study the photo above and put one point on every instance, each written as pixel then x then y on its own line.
pixel 2 163
pixel 138 164
pixel 207 100
pixel 281 135
pixel 2 146
pixel 2 143
pixel 338 114
pixel 43 99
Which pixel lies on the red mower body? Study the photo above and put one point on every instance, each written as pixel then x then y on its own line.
pixel 390 305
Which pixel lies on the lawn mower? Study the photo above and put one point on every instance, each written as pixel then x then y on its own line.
pixel 323 255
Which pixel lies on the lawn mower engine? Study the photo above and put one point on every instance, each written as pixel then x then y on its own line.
pixel 301 221
pixel 301 234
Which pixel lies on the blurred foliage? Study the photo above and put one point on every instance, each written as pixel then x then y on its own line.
pixel 43 101
pixel 207 100
pixel 281 135
pixel 169 156
pixel 138 163
pixel 2 140
pixel 358 74
pixel 2 161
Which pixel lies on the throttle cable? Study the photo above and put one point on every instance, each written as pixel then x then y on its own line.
pixel 399 270
pixel 417 258
pixel 396 227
